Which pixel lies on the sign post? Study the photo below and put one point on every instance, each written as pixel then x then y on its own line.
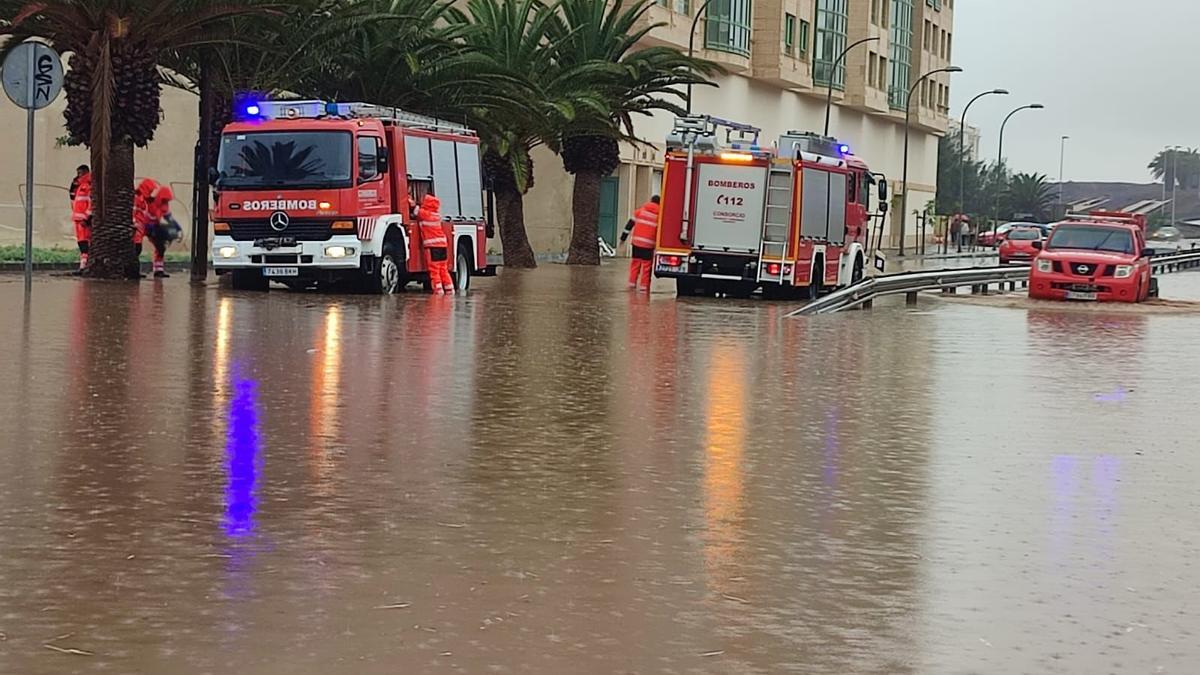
pixel 33 78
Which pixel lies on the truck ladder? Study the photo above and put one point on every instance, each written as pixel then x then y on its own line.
pixel 777 224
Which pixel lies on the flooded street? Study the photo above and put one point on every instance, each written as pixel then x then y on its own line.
pixel 552 475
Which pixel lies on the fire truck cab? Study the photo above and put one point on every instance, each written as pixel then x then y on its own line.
pixel 736 217
pixel 309 192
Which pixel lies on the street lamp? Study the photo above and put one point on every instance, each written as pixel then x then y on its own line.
pixel 1000 157
pixel 962 155
pixel 692 47
pixel 907 122
pixel 1062 158
pixel 833 69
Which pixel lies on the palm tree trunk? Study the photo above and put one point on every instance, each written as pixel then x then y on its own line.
pixel 510 212
pixel 112 254
pixel 585 211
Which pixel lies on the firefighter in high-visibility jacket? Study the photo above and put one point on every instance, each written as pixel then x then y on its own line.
pixel 81 215
pixel 437 247
pixel 152 220
pixel 644 227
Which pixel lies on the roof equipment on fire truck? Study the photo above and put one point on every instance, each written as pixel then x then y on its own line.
pixel 698 134
pixel 276 110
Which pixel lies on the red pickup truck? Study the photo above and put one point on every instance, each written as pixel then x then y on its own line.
pixel 1100 256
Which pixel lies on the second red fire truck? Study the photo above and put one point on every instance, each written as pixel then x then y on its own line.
pixel 310 192
pixel 736 216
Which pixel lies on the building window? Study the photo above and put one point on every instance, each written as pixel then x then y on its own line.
pixel 805 31
pixel 875 12
pixel 789 34
pixel 949 46
pixel 901 56
pixel 881 85
pixel 832 22
pixel 872 69
pixel 925 37
pixel 727 27
pixel 683 7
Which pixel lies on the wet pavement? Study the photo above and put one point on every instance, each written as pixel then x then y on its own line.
pixel 555 476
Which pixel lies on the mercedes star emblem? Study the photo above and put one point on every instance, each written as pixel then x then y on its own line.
pixel 280 221
pixel 1082 269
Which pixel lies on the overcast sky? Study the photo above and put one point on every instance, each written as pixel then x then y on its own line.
pixel 1120 77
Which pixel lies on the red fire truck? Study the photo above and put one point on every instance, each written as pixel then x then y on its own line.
pixel 735 217
pixel 310 192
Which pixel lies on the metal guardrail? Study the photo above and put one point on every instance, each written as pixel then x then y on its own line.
pixel 910 283
pixel 864 293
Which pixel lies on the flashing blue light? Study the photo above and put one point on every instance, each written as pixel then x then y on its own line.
pixel 844 149
pixel 253 110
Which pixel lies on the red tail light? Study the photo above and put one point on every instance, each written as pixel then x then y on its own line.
pixel 774 269
pixel 671 260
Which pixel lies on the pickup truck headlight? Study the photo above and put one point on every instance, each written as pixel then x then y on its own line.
pixel 1124 271
pixel 1045 266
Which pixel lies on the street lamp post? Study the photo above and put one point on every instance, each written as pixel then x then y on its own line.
pixel 1174 180
pixel 962 158
pixel 692 47
pixel 1062 159
pixel 833 69
pixel 907 123
pixel 1000 157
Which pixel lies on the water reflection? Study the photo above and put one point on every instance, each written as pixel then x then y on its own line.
pixel 242 461
pixel 724 449
pixel 324 397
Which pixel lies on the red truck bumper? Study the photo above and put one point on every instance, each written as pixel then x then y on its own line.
pixel 1055 286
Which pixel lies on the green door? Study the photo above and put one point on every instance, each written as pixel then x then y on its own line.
pixel 609 188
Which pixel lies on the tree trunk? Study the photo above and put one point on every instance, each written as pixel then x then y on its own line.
pixel 112 254
pixel 585 212
pixel 510 212
pixel 200 186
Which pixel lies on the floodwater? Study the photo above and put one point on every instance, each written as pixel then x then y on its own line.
pixel 555 476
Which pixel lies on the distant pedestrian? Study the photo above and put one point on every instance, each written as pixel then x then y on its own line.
pixel 644 226
pixel 964 234
pixel 81 215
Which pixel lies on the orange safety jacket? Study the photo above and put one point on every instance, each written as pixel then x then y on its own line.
pixel 81 205
pixel 151 202
pixel 645 226
pixel 429 217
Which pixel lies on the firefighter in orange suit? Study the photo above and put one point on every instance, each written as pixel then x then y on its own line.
pixel 81 215
pixel 437 251
pixel 152 220
pixel 644 226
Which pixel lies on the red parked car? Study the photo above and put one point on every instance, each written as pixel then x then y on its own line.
pixel 1018 245
pixel 1100 257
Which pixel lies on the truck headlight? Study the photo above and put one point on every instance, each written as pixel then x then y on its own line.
pixel 1045 266
pixel 227 251
pixel 1124 271
pixel 338 251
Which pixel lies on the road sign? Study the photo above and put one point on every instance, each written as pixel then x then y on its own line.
pixel 33 75
pixel 33 78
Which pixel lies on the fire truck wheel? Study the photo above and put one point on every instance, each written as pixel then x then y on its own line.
pixel 686 288
pixel 249 280
pixel 857 275
pixel 814 286
pixel 462 270
pixel 385 280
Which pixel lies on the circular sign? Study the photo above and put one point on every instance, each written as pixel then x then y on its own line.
pixel 33 75
pixel 280 221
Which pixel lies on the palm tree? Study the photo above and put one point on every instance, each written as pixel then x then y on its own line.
pixel 596 56
pixel 113 88
pixel 1176 166
pixel 1030 194
pixel 513 37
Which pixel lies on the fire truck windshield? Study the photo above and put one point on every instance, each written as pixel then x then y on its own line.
pixel 269 159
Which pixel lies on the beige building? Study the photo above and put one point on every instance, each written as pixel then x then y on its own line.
pixel 779 56
pixel 778 53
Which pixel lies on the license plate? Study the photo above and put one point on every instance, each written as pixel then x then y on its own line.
pixel 281 271
pixel 1080 295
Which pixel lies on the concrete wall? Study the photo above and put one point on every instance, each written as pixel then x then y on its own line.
pixel 167 159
